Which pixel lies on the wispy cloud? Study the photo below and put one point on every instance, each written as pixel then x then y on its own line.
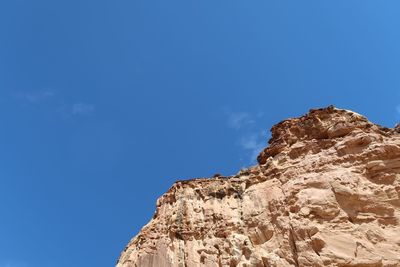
pixel 82 109
pixel 250 138
pixel 238 120
pixel 47 100
pixel 34 97
pixel 253 143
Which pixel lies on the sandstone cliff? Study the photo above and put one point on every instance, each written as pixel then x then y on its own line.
pixel 326 192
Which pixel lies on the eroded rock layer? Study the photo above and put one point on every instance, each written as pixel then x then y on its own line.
pixel 326 192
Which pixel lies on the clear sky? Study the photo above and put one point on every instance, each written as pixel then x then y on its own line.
pixel 104 104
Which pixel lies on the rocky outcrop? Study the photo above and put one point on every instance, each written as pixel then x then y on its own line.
pixel 326 192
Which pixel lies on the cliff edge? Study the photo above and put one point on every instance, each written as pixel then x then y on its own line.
pixel 325 192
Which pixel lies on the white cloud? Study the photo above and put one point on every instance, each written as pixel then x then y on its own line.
pixel 253 144
pixel 250 138
pixel 237 120
pixel 34 97
pixel 52 102
pixel 82 109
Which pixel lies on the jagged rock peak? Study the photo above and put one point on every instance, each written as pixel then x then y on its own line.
pixel 326 192
pixel 318 124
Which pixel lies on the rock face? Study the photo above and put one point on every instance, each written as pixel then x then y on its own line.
pixel 326 192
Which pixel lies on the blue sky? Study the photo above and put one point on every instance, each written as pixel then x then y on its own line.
pixel 104 104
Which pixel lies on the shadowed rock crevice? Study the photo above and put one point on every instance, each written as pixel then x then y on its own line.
pixel 325 192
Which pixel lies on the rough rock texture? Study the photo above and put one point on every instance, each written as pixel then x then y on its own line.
pixel 326 192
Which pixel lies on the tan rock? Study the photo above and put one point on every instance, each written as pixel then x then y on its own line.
pixel 326 192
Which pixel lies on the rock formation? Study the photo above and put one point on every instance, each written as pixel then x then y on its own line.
pixel 326 192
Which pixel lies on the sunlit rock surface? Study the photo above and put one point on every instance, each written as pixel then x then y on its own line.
pixel 326 192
